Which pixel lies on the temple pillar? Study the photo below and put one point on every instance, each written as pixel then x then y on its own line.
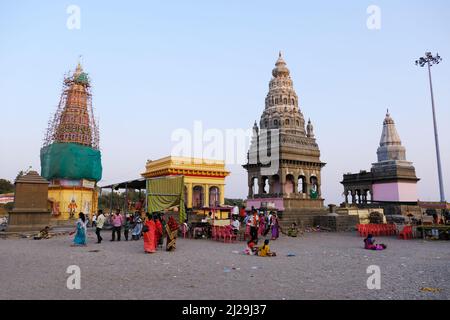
pixel 250 188
pixel 189 195
pixel 206 194
pixel 283 184
pixel 222 194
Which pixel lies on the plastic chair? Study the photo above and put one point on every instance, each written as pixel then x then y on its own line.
pixel 184 230
pixel 406 233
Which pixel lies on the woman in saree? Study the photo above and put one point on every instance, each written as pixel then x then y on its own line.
pixel 80 231
pixel 275 227
pixel 138 224
pixel 171 232
pixel 149 232
pixel 159 230
pixel 262 224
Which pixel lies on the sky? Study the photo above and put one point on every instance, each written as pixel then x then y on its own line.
pixel 160 66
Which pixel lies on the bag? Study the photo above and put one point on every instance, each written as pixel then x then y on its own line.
pixel 145 228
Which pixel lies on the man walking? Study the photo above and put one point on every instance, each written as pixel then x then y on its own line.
pixel 117 222
pixel 100 221
pixel 254 224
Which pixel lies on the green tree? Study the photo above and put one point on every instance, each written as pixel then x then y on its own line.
pixel 234 202
pixel 6 186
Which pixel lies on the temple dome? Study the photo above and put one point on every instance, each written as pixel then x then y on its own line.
pixel 280 70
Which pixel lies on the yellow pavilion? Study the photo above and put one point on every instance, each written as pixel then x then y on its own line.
pixel 204 179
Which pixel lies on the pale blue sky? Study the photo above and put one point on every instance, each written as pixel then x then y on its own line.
pixel 160 65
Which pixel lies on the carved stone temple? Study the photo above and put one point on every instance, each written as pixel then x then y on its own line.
pixel 284 167
pixel 391 183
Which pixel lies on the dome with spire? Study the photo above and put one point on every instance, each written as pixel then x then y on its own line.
pixel 281 104
pixel 280 69
pixel 390 150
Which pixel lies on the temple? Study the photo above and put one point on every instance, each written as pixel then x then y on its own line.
pixel 70 157
pixel 391 183
pixel 204 179
pixel 284 167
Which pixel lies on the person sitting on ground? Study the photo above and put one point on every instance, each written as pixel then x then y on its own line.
pixel 43 234
pixel 251 248
pixel 293 231
pixel 264 251
pixel 369 244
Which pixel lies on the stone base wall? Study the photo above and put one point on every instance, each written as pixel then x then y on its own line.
pixel 28 221
pixel 338 223
pixel 302 217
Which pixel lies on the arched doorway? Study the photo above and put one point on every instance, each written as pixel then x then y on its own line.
pixel 197 197
pixel 301 184
pixel 214 197
pixel 290 185
pixel 255 186
pixel 265 184
pixel 314 191
pixel 276 184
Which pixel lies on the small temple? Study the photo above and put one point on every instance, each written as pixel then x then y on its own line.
pixel 291 183
pixel 70 157
pixel 391 183
pixel 204 180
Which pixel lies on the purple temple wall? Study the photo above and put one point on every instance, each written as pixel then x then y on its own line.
pixel 395 192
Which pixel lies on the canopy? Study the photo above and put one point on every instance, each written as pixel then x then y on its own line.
pixel 166 192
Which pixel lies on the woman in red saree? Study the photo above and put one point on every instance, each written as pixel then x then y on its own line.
pixel 149 235
pixel 159 231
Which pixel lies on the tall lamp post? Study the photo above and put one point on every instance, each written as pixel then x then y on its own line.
pixel 430 60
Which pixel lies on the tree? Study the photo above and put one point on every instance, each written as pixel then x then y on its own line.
pixel 234 202
pixel 6 186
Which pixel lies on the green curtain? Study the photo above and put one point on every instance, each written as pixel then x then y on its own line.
pixel 166 192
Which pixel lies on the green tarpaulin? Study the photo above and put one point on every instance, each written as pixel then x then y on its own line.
pixel 166 192
pixel 70 161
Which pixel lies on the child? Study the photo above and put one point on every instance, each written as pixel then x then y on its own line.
pixel 251 249
pixel 264 251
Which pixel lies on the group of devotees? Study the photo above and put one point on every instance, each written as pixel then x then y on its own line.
pixel 152 228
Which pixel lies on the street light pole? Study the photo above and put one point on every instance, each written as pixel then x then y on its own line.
pixel 430 60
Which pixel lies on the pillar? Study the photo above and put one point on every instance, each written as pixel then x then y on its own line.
pixel 283 183
pixel 206 195
pixel 189 195
pixel 222 194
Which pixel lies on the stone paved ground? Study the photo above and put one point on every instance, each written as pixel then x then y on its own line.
pixel 325 266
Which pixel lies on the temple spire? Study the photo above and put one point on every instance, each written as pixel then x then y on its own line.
pixel 390 144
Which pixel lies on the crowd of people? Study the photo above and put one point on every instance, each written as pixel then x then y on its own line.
pixel 151 228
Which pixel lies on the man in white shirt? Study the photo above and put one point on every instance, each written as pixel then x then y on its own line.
pixel 236 225
pixel 100 222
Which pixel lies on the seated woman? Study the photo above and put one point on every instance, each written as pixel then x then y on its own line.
pixel 264 251
pixel 293 231
pixel 369 244
pixel 251 248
